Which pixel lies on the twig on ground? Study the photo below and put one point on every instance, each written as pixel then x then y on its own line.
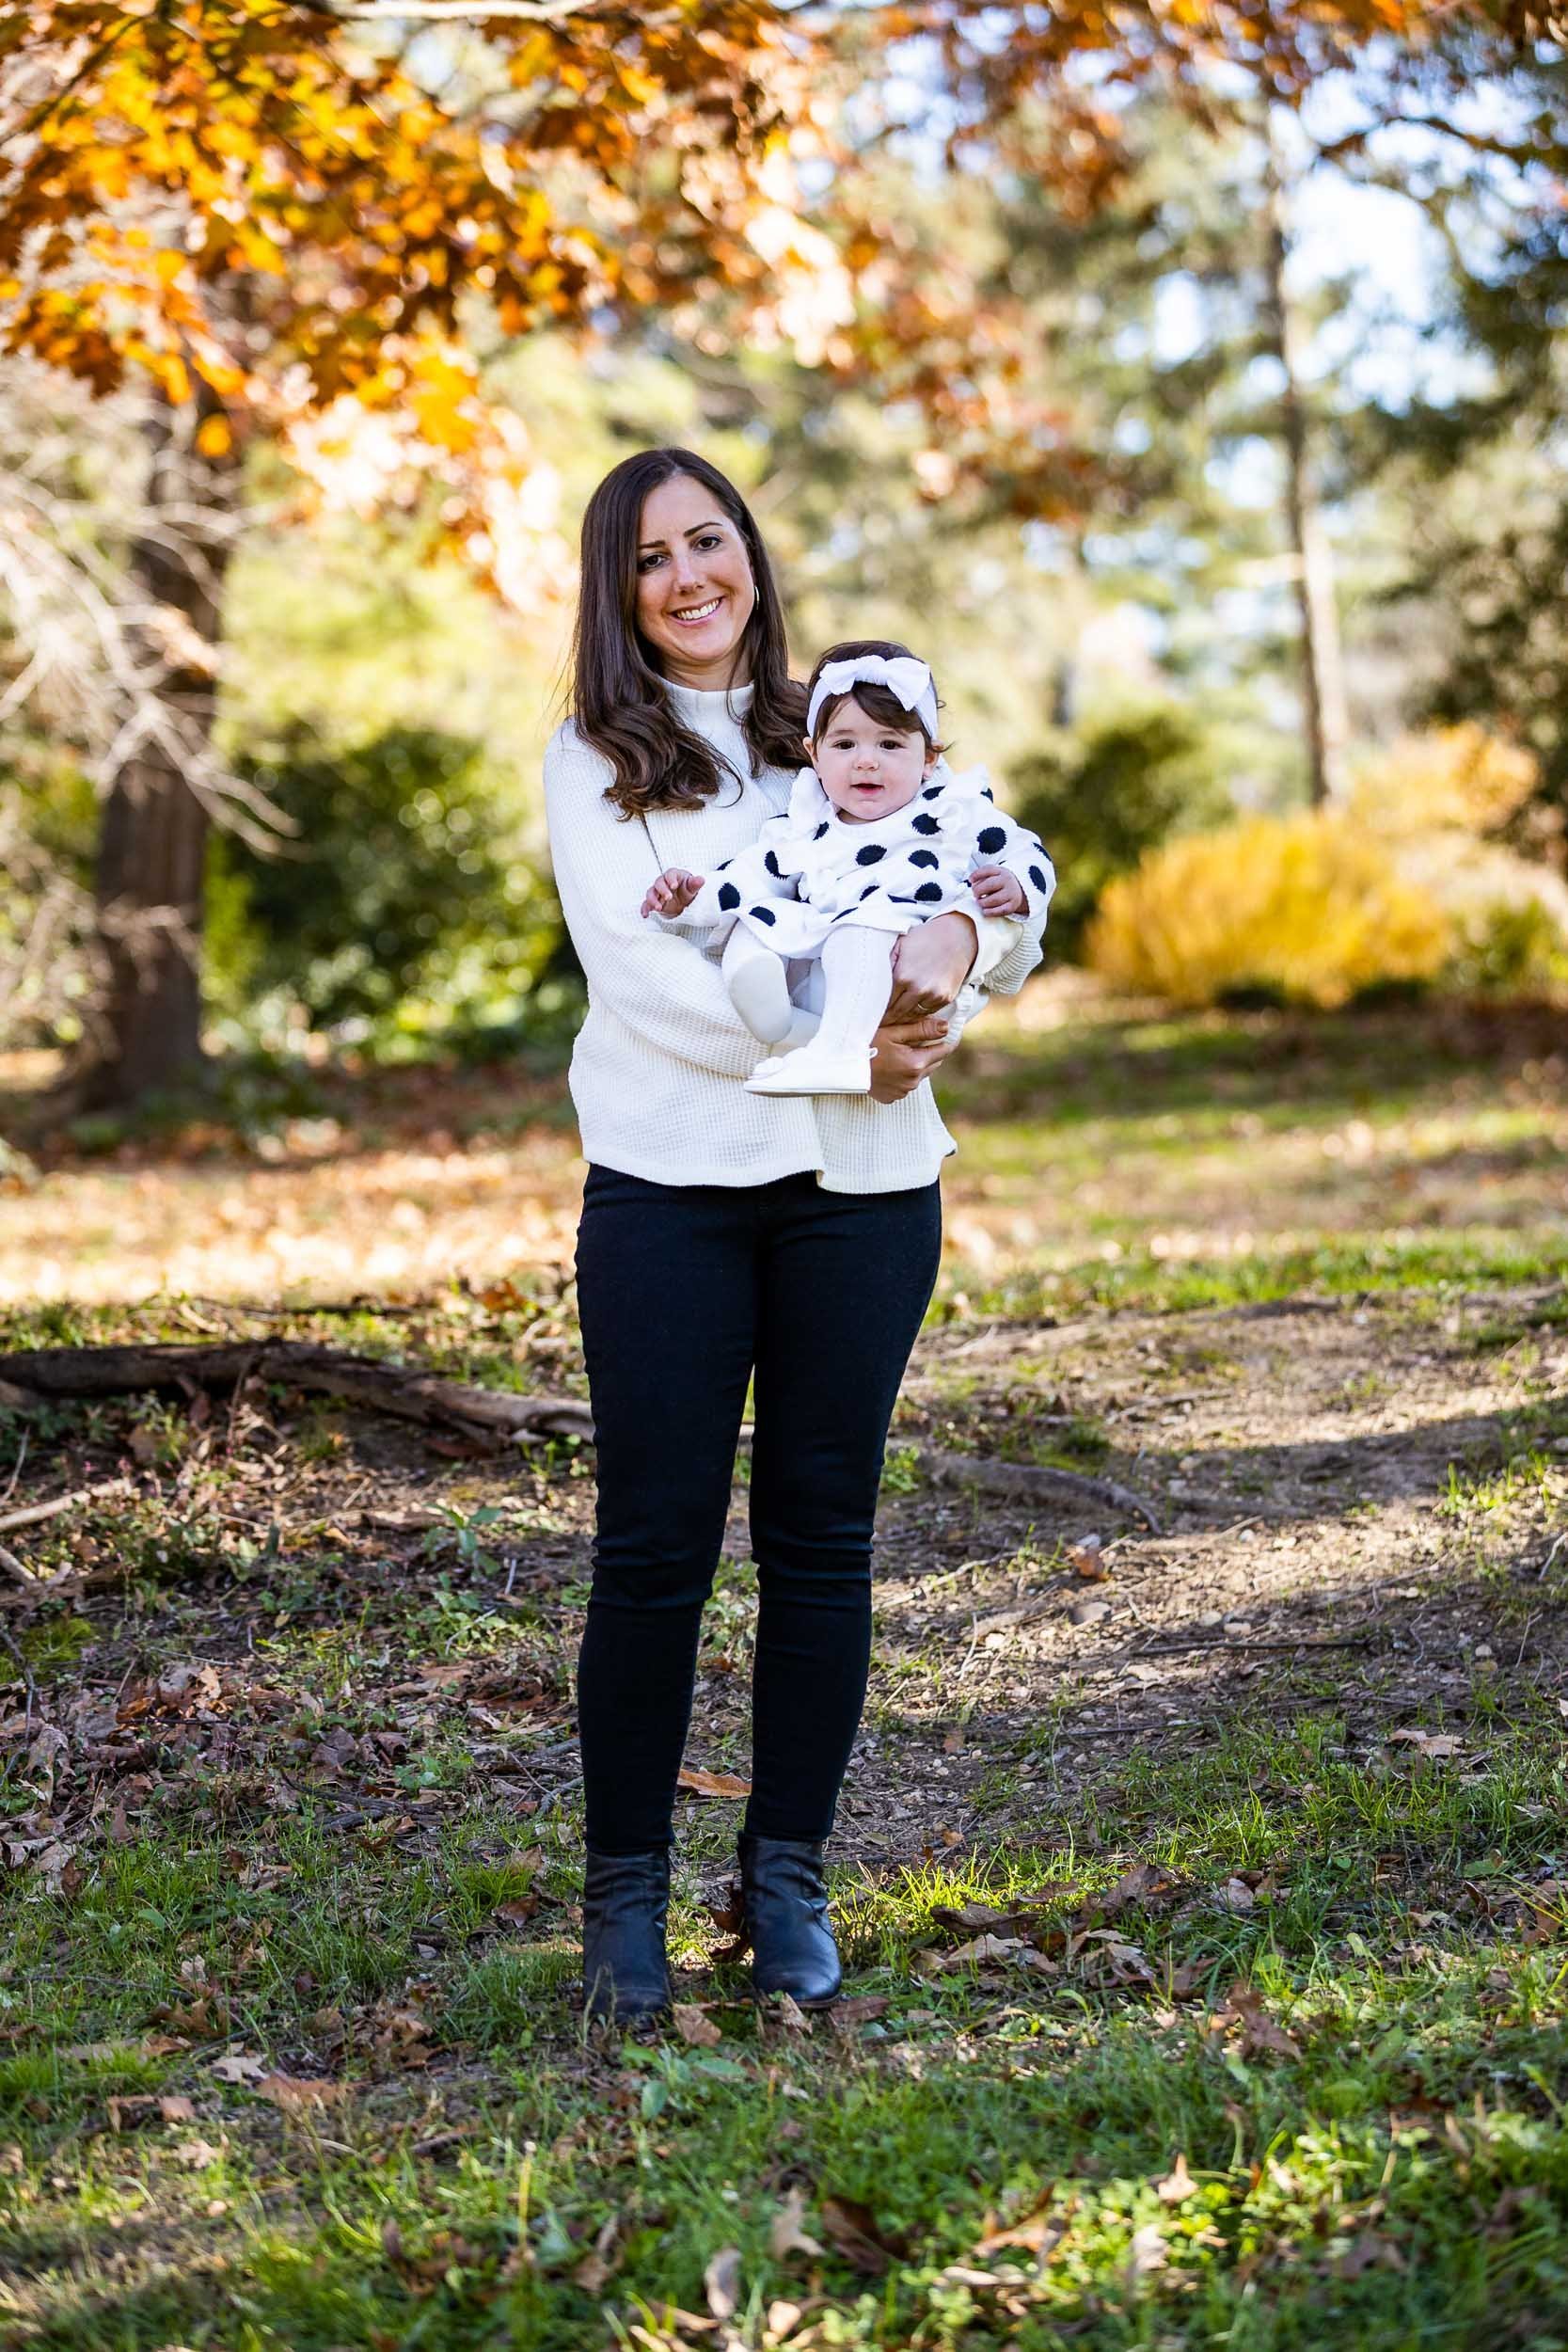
pixel 34 1514
pixel 1026 1481
pixel 13 1567
pixel 28 1684
pixel 1175 1649
pixel 16 1470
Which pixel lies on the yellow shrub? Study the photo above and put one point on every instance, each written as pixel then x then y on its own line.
pixel 1451 776
pixel 1305 908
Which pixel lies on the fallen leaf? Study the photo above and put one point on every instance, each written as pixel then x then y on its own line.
pixel 855 2233
pixel 721 2283
pixel 862 2009
pixel 1087 1560
pixel 294 2093
pixel 1436 1743
pixel 239 2066
pixel 1178 2184
pixel 782 2320
pixel 139 2107
pixel 1036 2231
pixel 693 2024
pixel 711 1784
pixel 597 2269
pixel 1144 1884
pixel 196 2153
pixel 1244 2008
pixel 1236 1896
pixel 983 1951
pixel 786 2235
pixel 1147 2253
pixel 1368 2252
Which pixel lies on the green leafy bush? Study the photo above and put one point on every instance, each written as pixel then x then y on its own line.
pixel 1101 799
pixel 397 915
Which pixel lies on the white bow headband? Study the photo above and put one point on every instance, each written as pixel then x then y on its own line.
pixel 905 678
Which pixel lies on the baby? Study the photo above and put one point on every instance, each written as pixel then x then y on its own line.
pixel 879 835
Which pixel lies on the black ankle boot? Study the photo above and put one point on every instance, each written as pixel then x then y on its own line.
pixel 785 1900
pixel 626 1902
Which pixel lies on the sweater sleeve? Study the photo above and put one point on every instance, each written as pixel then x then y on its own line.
pixel 751 875
pixel 658 985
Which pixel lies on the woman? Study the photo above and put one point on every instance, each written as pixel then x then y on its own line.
pixel 726 1238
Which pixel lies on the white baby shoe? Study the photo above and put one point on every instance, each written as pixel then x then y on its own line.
pixel 808 1072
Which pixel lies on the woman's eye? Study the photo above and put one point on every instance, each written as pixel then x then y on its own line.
pixel 709 539
pixel 646 563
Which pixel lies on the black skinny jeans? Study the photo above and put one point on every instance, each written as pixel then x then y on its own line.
pixel 685 1292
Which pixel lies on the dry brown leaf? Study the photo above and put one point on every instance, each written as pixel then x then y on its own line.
pixel 1087 1560
pixel 712 1784
pixel 782 2321
pixel 1178 2184
pixel 594 2273
pixel 295 2093
pixel 1036 2231
pixel 786 2235
pixel 1144 1884
pixel 1368 2252
pixel 855 2233
pixel 140 2107
pixel 721 2283
pixel 239 2066
pixel 1244 2008
pixel 861 2009
pixel 984 1949
pixel 1236 1895
pixel 693 2024
pixel 1435 1743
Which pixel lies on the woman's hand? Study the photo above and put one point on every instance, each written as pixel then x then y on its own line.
pixel 907 1051
pixel 929 966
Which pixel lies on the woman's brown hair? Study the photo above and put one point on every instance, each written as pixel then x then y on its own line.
pixel 619 702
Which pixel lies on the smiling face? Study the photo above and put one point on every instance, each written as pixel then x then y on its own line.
pixel 867 767
pixel 695 587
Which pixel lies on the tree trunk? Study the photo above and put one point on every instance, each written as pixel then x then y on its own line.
pixel 153 841
pixel 1321 663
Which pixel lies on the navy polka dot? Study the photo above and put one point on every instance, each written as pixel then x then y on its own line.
pixel 722 867
pixel 933 793
pixel 765 914
pixel 926 824
pixel 821 830
pixel 993 839
pixel 870 890
pixel 930 889
pixel 872 854
pixel 729 896
pixel 1038 879
pixel 986 792
pixel 924 857
pixel 772 865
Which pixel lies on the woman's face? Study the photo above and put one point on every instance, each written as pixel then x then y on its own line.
pixel 694 586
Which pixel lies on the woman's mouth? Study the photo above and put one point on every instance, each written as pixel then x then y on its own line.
pixel 693 615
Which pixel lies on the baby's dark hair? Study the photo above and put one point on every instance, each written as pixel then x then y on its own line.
pixel 877 702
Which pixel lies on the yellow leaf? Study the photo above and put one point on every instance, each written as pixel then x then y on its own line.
pixel 214 436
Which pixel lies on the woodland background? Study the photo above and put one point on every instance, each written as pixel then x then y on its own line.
pixel 1188 382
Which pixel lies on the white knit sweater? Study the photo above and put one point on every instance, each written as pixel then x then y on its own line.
pixel 656 1073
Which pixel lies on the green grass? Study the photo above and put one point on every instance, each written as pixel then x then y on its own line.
pixel 1394 2175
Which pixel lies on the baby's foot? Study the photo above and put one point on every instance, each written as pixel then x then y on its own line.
pixel 759 990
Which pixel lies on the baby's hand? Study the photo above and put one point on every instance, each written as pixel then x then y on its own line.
pixel 673 892
pixel 997 891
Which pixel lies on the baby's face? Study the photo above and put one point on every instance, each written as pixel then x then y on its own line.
pixel 866 768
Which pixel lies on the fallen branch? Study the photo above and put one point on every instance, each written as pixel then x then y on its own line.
pixel 1177 1649
pixel 1027 1482
pixel 32 1514
pixel 383 1388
